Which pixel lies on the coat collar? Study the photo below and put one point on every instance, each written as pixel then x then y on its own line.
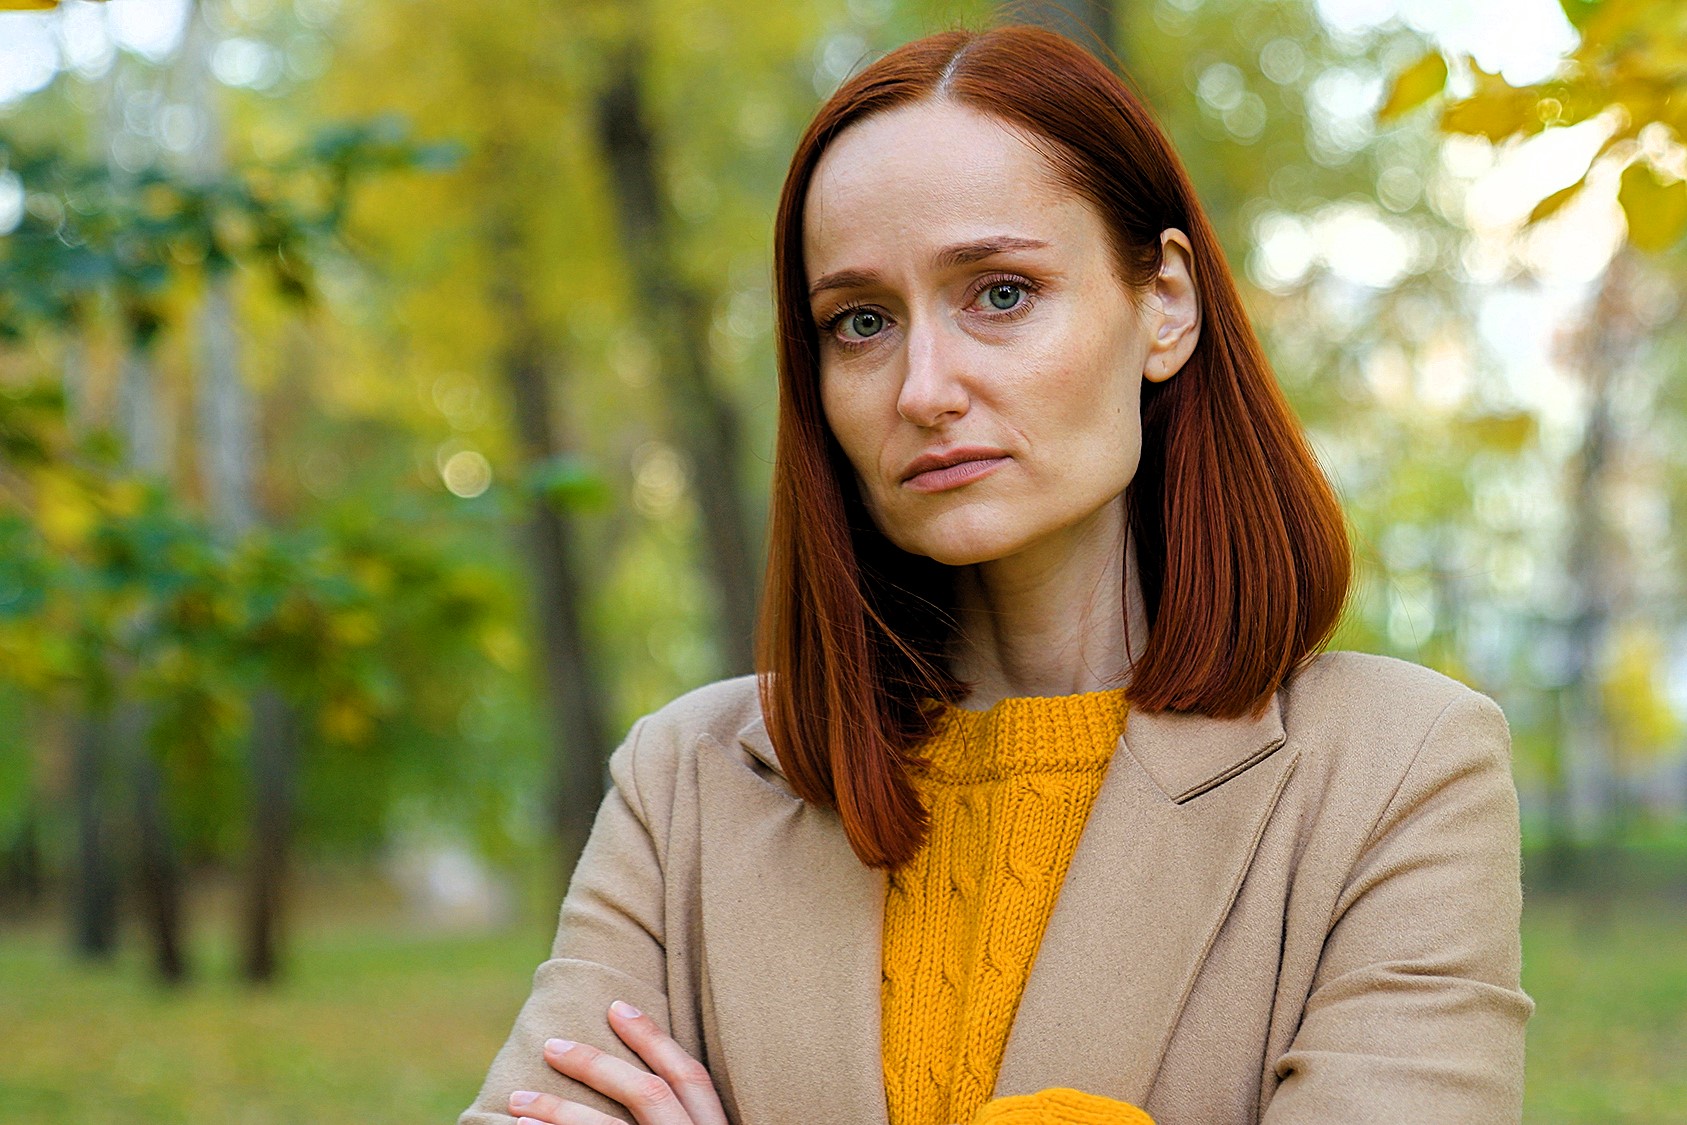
pixel 1184 754
pixel 1161 860
pixel 1168 842
pixel 753 738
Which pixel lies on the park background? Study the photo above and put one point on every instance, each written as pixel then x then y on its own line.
pixel 386 401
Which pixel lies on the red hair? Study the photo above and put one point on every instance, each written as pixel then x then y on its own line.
pixel 1242 552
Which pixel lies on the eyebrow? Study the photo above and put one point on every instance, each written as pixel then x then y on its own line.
pixel 963 254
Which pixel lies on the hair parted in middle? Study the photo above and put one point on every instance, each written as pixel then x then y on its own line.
pixel 1241 548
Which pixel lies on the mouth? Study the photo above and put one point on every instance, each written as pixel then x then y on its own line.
pixel 939 472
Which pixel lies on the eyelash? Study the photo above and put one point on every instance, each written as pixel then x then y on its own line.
pixel 1028 287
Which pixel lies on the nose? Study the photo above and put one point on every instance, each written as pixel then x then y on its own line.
pixel 933 386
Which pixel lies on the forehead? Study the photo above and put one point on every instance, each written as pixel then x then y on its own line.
pixel 931 173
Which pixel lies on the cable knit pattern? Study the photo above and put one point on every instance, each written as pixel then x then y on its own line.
pixel 1008 790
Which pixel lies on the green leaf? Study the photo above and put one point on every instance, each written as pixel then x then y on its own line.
pixel 1656 211
pixel 1415 85
pixel 1578 12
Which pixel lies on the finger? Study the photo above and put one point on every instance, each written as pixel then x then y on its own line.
pixel 647 1096
pixel 529 1108
pixel 688 1078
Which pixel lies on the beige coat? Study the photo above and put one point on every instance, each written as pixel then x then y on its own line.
pixel 1309 917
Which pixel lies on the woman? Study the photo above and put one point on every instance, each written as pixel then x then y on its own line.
pixel 1043 807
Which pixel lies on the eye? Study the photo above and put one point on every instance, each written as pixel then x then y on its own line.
pixel 861 324
pixel 1005 295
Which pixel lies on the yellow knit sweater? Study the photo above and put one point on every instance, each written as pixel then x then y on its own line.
pixel 1008 790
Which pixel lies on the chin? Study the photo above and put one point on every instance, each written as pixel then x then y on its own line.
pixel 958 546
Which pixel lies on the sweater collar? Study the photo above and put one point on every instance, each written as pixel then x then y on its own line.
pixel 1184 754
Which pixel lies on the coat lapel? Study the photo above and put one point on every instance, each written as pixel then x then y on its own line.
pixel 1162 856
pixel 791 944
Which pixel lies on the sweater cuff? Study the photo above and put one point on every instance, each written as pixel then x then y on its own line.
pixel 1059 1106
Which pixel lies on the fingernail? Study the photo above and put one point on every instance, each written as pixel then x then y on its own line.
pixel 625 1010
pixel 523 1097
pixel 558 1046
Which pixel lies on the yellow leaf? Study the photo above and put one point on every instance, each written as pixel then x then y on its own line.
pixel 1636 707
pixel 1415 85
pixel 345 720
pixel 1496 113
pixel 1553 202
pixel 125 497
pixel 375 574
pixel 1656 211
pixel 64 512
pixel 1501 433
pixel 355 628
pixel 503 645
pixel 27 5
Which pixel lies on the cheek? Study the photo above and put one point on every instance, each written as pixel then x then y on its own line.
pixel 849 421
pixel 1091 384
pixel 1087 410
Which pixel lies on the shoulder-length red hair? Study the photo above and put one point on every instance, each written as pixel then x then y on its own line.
pixel 1241 549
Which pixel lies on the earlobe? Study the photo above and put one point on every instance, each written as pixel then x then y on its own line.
pixel 1158 371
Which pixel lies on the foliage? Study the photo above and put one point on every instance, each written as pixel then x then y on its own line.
pixel 90 231
pixel 1629 70
pixel 399 616
pixel 117 592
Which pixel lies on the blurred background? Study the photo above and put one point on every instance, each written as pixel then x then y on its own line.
pixel 386 403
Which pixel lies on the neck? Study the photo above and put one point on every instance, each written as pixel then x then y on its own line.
pixel 1050 620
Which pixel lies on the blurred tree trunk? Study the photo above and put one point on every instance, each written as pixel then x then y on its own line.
pixel 21 878
pixel 1584 809
pixel 142 426
pixel 94 906
pixel 159 882
pixel 141 419
pixel 226 448
pixel 575 700
pixel 148 445
pixel 703 420
pixel 274 738
pixel 228 453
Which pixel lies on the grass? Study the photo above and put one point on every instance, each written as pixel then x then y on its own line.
pixel 1608 1043
pixel 374 1026
pixel 380 1025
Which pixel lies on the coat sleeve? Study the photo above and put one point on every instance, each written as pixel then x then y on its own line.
pixel 1416 1011
pixel 609 946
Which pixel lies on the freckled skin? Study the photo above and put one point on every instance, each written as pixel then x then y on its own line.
pixel 1058 387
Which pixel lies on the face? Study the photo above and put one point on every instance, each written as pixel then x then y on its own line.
pixel 981 362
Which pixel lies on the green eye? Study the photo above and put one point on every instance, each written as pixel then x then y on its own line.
pixel 865 322
pixel 1006 295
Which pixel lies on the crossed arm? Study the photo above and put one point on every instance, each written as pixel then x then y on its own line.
pixel 1414 1009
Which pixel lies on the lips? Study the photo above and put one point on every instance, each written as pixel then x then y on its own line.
pixel 950 468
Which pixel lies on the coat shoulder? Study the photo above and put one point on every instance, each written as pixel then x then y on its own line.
pixel 1367 690
pixel 1361 716
pixel 662 745
pixel 721 709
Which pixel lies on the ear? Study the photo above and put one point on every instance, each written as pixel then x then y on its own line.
pixel 1172 309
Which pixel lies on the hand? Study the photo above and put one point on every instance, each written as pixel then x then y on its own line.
pixel 676 1091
